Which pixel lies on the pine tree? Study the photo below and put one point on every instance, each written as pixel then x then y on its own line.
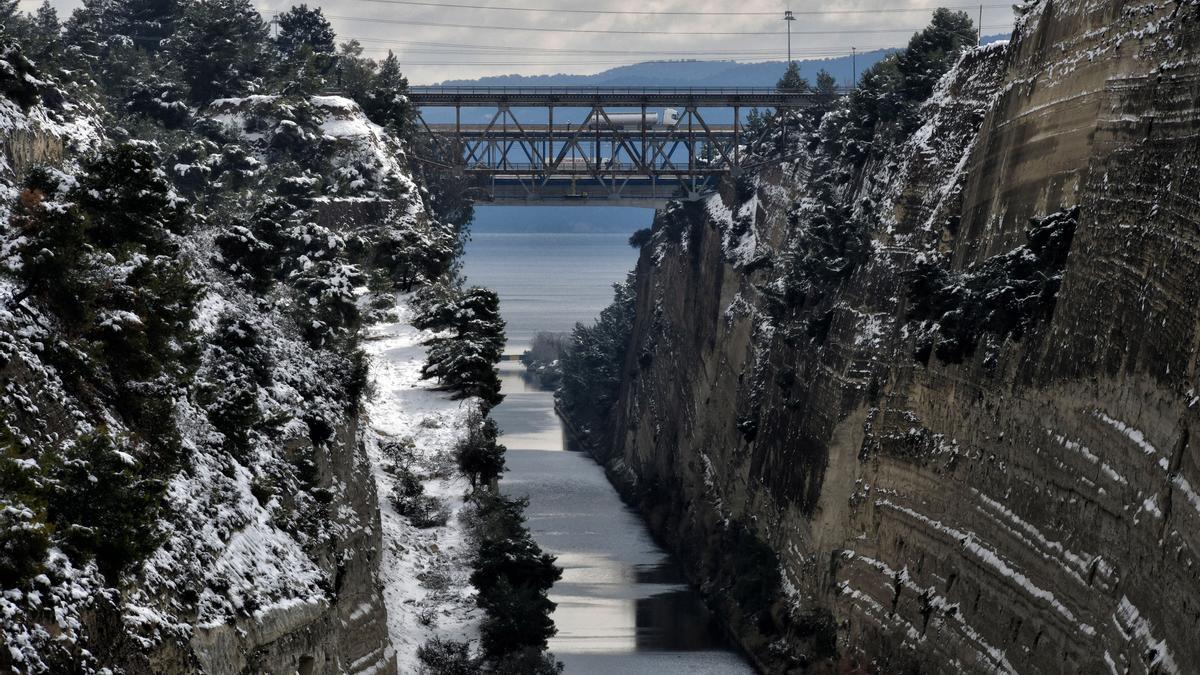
pixel 791 80
pixel 386 102
pixel 219 48
pixel 8 10
pixel 47 30
pixel 300 28
pixel 88 31
pixel 593 364
pixel 354 73
pixel 306 47
pixel 480 456
pixel 929 55
pixel 148 22
pixel 465 361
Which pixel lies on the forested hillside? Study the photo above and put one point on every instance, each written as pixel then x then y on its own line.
pixel 198 223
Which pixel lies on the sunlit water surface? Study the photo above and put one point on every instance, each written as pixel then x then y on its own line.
pixel 622 604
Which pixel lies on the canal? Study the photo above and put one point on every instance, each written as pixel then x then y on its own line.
pixel 623 606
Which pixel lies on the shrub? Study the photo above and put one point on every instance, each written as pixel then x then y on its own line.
pixel 446 657
pixel 641 237
pixel 409 499
pixel 528 661
pixel 756 577
pixel 1007 295
pixel 480 457
pixel 102 504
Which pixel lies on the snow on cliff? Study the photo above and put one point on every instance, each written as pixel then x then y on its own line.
pixel 425 571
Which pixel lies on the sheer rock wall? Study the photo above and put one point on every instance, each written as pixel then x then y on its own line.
pixel 1035 511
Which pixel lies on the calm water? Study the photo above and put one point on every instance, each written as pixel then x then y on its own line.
pixel 622 604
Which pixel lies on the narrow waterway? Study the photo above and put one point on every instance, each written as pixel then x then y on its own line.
pixel 623 606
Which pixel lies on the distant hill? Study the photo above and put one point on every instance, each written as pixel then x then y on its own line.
pixel 689 73
pixel 695 73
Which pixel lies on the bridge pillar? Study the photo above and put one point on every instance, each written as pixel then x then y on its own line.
pixel 737 137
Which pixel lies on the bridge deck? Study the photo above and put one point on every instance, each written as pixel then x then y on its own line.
pixel 609 96
pixel 560 131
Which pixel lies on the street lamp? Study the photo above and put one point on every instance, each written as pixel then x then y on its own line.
pixel 789 17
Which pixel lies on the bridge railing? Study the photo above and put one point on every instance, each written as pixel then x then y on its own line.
pixel 606 90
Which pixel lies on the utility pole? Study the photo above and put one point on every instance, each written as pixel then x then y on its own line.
pixel 979 39
pixel 854 68
pixel 789 18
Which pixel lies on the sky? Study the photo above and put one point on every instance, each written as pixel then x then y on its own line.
pixel 474 38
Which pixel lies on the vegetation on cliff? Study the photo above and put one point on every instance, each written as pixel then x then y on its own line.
pixel 1005 296
pixel 182 301
pixel 593 362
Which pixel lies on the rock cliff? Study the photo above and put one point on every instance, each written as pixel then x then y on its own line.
pixel 264 556
pixel 976 449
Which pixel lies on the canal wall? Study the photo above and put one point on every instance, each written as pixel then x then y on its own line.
pixel 1013 495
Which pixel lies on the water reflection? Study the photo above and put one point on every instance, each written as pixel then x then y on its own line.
pixel 622 604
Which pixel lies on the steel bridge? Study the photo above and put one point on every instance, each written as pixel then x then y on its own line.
pixel 627 146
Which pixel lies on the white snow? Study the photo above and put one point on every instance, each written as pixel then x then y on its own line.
pixel 405 406
pixel 1131 433
pixel 1135 627
pixel 989 558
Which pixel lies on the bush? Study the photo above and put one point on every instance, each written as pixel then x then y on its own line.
pixel 480 457
pixel 756 577
pixel 528 661
pixel 446 657
pixel 102 505
pixel 409 499
pixel 640 238
pixel 1005 296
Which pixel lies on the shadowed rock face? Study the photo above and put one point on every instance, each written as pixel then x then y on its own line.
pixel 1034 507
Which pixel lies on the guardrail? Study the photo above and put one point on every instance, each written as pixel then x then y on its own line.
pixel 612 90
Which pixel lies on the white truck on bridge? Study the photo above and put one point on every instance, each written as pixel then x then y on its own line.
pixel 668 118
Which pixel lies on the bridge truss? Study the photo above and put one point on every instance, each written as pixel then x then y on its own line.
pixel 601 159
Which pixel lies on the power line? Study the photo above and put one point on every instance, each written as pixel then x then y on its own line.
pixel 434 24
pixel 457 47
pixel 556 10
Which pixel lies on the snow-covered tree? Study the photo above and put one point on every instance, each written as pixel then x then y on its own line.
pixel 302 28
pixel 354 73
pixel 101 255
pixel 386 102
pixel 480 456
pixel 219 46
pixel 464 360
pixel 8 10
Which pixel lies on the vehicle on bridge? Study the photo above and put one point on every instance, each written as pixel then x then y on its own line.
pixel 667 119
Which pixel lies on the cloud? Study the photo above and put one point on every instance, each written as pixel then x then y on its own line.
pixel 434 53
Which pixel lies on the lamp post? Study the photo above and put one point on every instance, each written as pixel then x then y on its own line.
pixel 854 68
pixel 789 18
